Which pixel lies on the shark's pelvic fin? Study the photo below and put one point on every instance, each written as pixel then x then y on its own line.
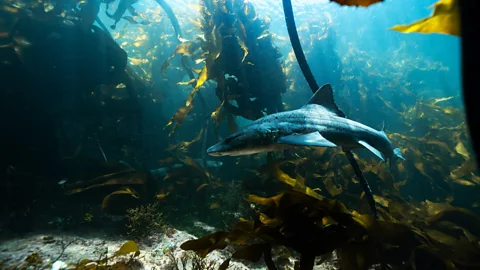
pixel 310 139
pixel 372 149
pixel 324 97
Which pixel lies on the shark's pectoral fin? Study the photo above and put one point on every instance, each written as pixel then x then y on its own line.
pixel 310 139
pixel 372 149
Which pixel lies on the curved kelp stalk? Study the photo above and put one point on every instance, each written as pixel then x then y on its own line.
pixel 302 62
pixel 178 31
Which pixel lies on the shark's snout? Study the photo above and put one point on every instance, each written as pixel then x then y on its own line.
pixel 218 149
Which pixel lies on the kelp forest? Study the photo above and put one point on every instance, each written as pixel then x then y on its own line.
pixel 109 106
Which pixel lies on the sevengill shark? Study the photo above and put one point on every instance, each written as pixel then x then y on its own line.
pixel 319 123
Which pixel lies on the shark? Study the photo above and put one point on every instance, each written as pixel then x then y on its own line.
pixel 319 123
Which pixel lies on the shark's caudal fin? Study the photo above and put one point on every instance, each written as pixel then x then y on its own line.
pixel 324 98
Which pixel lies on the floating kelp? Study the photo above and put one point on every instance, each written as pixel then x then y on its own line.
pixel 192 169
pixel 445 20
pixel 273 170
pixel 118 202
pixel 126 176
pixel 182 147
pixel 120 183
pixel 314 227
pixel 363 3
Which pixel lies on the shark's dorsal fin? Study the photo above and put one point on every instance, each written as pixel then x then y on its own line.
pixel 324 97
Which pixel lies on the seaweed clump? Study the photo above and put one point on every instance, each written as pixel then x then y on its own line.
pixel 189 260
pixel 34 260
pixel 317 227
pixel 144 219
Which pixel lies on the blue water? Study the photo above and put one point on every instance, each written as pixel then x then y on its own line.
pixel 430 61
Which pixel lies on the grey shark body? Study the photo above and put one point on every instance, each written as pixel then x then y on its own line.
pixel 319 123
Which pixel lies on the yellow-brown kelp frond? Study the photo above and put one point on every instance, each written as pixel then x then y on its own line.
pixel 445 20
pixel 211 47
pixel 187 48
pixel 117 202
pixel 273 170
pixel 127 253
pixel 192 170
pixel 315 227
pixel 182 147
pixel 123 176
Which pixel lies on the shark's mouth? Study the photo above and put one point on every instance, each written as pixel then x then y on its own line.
pixel 217 150
pixel 220 149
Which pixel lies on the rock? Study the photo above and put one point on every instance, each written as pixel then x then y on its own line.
pixel 48 239
pixel 59 265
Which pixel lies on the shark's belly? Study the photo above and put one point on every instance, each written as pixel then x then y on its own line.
pixel 342 132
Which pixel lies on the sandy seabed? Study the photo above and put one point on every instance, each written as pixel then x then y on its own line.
pixel 14 251
pixel 63 250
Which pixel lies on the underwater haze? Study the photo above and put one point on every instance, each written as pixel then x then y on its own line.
pixel 165 134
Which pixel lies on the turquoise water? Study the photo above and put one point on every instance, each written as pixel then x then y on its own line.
pixel 101 122
pixel 432 60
